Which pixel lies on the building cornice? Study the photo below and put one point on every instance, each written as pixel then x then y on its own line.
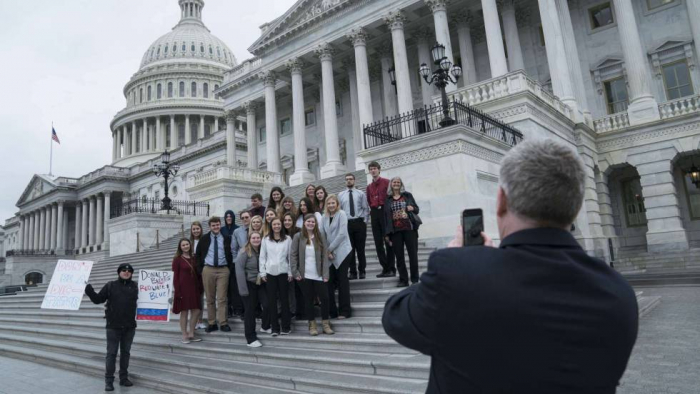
pixel 182 105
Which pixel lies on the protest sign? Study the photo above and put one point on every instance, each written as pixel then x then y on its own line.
pixel 67 285
pixel 155 291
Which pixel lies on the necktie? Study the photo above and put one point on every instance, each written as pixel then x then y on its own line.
pixel 216 251
pixel 352 204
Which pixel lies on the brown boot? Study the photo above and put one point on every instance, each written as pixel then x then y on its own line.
pixel 313 330
pixel 327 327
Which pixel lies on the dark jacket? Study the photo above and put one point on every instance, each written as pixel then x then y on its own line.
pixel 389 228
pixel 247 270
pixel 203 249
pixel 121 296
pixel 228 230
pixel 298 258
pixel 536 315
pixel 259 211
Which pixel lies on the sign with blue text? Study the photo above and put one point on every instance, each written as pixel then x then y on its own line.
pixel 67 285
pixel 155 292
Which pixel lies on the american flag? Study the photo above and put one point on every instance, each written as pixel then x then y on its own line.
pixel 54 136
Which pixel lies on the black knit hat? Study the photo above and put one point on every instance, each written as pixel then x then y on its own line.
pixel 127 266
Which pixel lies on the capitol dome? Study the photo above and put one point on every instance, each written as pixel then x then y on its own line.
pixel 190 39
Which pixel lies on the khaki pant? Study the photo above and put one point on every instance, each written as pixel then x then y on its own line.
pixel 216 289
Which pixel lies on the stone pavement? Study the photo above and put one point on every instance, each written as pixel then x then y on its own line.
pixel 666 357
pixel 19 376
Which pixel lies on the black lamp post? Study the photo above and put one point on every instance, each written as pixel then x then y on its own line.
pixel 166 170
pixel 441 77
pixel 392 76
pixel 694 176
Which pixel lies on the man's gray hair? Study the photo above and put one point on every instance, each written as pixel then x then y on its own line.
pixel 544 181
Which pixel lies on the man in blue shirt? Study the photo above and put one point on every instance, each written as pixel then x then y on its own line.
pixel 215 261
pixel 354 202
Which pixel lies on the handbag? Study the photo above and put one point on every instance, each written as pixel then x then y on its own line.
pixel 415 219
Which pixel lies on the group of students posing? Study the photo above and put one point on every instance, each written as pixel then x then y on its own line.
pixel 291 258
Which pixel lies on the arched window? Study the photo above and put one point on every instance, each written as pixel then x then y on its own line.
pixel 201 47
pixel 166 49
pixel 141 95
pixel 184 47
pixel 218 51
pixel 152 51
pixel 181 134
pixel 193 47
pixel 170 89
pixel 182 89
pixel 205 90
pixel 174 47
pixel 158 52
pixel 149 93
pixel 193 90
pixel 216 87
pixel 211 51
pixel 159 91
pixel 33 278
pixel 207 130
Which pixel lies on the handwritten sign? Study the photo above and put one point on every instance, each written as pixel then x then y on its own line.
pixel 67 285
pixel 155 291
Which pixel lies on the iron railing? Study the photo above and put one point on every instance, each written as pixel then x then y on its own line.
pixel 151 205
pixel 430 118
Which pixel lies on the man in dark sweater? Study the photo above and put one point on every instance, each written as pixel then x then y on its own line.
pixel 121 296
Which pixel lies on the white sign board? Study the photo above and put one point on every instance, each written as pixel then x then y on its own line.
pixel 67 285
pixel 155 291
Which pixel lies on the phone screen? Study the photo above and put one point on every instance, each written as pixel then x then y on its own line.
pixel 472 226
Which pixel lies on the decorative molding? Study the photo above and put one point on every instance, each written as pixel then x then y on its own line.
pixel 486 176
pixel 358 36
pixel 250 107
pixel 269 78
pixel 631 140
pixel 437 5
pixel 442 150
pixel 295 65
pixel 395 20
pixel 231 115
pixel 325 51
pixel 462 18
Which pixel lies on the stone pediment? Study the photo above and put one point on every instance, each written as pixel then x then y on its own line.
pixel 607 62
pixel 37 187
pixel 302 15
pixel 671 44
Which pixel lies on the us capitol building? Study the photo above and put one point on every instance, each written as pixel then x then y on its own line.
pixel 333 84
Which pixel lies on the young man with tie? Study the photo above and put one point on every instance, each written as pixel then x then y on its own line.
pixel 376 197
pixel 215 261
pixel 354 202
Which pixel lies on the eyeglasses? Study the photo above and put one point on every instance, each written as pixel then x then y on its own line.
pixel 126 270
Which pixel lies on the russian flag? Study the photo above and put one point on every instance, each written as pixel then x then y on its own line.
pixel 152 314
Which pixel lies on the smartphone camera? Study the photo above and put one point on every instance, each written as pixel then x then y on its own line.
pixel 472 226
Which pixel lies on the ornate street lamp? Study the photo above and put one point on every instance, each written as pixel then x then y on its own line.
pixel 694 176
pixel 166 170
pixel 392 76
pixel 441 77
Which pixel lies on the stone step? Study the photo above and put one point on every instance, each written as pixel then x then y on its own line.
pixel 341 341
pixel 381 364
pixel 251 373
pixel 144 376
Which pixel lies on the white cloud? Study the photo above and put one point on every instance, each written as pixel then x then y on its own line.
pixel 68 61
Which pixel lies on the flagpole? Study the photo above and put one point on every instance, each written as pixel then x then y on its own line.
pixel 51 155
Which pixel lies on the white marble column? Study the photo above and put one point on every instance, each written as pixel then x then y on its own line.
pixel 216 124
pixel 364 93
pixel 121 148
pixel 99 221
pixel 389 92
pixel 115 134
pixel 42 228
pixel 572 57
pixel 424 41
pixel 91 222
pixel 84 225
pixel 301 162
pixel 160 136
pixel 133 137
pixel 201 127
pixel 22 228
pixel 333 165
pixel 54 226
pixel 144 135
pixel 105 219
pixel 693 18
pixel 354 104
pixel 173 134
pixel 272 137
pixel 395 20
pixel 494 40
pixel 78 225
pixel 231 138
pixel 463 20
pixel 252 134
pixel 442 30
pixel 60 234
pixel 188 132
pixel 643 106
pixel 556 54
pixel 32 232
pixel 510 28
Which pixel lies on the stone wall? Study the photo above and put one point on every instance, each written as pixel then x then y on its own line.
pixel 139 231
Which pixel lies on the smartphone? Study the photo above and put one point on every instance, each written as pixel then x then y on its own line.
pixel 472 226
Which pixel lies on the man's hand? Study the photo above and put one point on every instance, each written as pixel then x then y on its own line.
pixel 458 241
pixel 298 278
pixel 264 278
pixel 289 278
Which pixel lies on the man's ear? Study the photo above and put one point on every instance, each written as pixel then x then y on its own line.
pixel 501 203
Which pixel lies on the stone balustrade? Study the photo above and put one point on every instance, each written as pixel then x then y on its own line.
pixel 110 171
pixel 680 107
pixel 503 86
pixel 613 122
pixel 244 68
pixel 235 174
pixel 170 102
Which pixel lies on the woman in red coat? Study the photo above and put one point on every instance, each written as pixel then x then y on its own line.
pixel 188 290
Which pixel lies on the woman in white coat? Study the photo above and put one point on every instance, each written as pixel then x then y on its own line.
pixel 335 232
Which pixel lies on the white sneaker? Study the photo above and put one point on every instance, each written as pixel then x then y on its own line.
pixel 268 331
pixel 200 326
pixel 255 344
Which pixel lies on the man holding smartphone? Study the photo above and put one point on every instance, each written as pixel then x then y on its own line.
pixel 376 197
pixel 535 315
